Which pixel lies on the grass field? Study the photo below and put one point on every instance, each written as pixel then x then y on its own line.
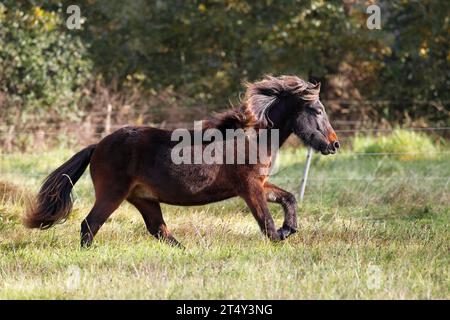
pixel 371 227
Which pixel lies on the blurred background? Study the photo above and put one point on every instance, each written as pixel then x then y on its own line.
pixel 167 63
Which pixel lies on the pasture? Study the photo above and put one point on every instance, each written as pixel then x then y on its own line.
pixel 371 226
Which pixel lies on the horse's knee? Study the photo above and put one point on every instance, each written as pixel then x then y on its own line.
pixel 289 200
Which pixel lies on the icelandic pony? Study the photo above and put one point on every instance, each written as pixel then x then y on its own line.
pixel 134 164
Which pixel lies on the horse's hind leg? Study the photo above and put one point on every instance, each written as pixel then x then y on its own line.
pixel 151 212
pixel 104 206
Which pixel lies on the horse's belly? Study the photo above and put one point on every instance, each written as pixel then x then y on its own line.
pixel 186 184
pixel 178 195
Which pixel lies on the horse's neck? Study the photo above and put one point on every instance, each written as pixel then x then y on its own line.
pixel 280 121
pixel 281 137
pixel 284 130
pixel 284 135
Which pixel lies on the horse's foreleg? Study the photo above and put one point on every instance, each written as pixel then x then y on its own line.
pixel 256 201
pixel 289 204
pixel 151 212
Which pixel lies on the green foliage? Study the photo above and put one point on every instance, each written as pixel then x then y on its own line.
pixel 42 65
pixel 407 144
pixel 415 71
pixel 207 49
pixel 203 50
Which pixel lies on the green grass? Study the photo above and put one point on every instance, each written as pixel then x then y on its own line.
pixel 371 227
pixel 407 144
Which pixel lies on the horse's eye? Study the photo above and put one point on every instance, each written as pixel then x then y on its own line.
pixel 315 111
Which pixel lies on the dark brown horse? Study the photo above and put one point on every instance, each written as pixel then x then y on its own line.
pixel 134 164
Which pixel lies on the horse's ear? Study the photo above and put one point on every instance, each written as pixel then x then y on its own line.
pixel 318 84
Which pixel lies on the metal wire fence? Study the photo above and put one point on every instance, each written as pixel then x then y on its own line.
pixel 24 173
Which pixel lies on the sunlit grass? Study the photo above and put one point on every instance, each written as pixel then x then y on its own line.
pixel 407 145
pixel 372 227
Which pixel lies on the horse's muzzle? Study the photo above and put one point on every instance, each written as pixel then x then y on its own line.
pixel 332 148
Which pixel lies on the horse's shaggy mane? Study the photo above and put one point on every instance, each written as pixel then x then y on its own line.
pixel 259 98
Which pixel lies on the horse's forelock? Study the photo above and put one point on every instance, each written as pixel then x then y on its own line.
pixel 262 95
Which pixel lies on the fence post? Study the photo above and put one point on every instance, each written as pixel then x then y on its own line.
pixel 305 173
pixel 108 119
pixel 9 139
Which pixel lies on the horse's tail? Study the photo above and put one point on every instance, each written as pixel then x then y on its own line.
pixel 54 200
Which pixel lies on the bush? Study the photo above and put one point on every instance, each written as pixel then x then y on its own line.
pixel 43 65
pixel 406 144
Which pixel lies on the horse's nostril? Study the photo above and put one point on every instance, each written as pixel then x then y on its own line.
pixel 336 145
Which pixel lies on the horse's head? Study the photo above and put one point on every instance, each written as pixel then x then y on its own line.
pixel 312 126
pixel 293 104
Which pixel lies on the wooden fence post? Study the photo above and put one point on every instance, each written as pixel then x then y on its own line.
pixel 108 119
pixel 8 144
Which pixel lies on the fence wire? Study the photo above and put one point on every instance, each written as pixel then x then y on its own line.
pixel 313 180
pixel 96 131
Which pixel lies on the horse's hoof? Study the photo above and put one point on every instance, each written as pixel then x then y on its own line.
pixel 180 246
pixel 283 233
pixel 85 246
pixel 174 243
pixel 85 243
